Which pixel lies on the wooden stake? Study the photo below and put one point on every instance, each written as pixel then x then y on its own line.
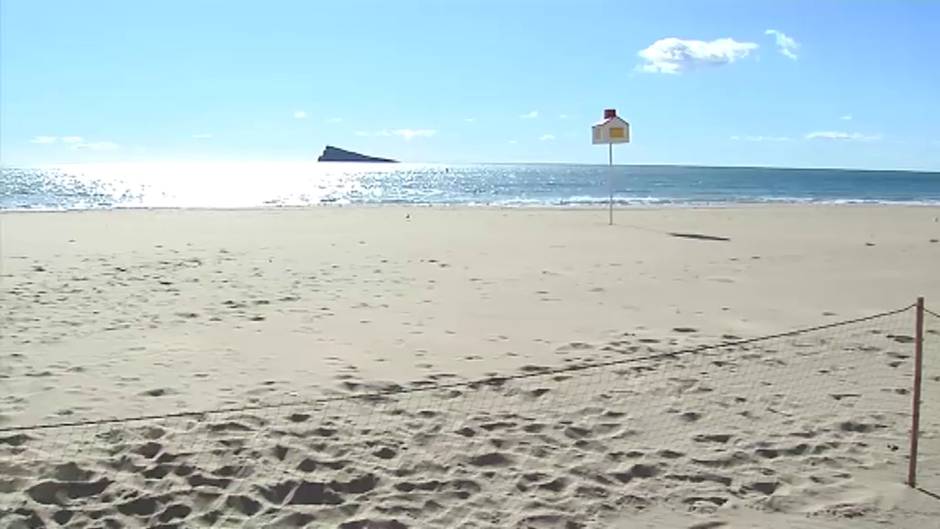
pixel 915 403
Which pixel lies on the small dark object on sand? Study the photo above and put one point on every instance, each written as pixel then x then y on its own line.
pixel 699 236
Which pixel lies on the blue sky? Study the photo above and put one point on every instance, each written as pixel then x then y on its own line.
pixel 838 84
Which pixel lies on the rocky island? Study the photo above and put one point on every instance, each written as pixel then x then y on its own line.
pixel 335 154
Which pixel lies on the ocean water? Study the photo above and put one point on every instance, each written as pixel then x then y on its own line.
pixel 231 185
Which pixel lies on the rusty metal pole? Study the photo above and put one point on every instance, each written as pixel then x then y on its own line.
pixel 915 402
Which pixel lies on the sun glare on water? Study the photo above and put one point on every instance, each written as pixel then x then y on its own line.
pixel 227 184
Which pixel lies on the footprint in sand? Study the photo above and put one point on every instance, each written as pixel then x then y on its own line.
pixel 721 279
pixel 157 392
pixel 385 453
pixel 840 396
pixel 466 431
pixel 764 487
pixel 670 454
pixel 712 438
pixel 534 369
pixel 637 471
pixel 491 459
pixel 711 524
pixel 900 338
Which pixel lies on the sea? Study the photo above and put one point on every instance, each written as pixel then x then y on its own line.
pixel 287 184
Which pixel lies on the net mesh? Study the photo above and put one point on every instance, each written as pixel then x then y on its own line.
pixel 769 424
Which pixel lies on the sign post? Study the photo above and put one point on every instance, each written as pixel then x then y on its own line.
pixel 612 129
pixel 610 183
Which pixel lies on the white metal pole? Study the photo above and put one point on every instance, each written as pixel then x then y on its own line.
pixel 610 182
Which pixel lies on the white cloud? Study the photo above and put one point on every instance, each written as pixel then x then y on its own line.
pixel 562 116
pixel 761 138
pixel 300 114
pixel 408 134
pixel 202 136
pixel 77 143
pixel 530 115
pixel 847 117
pixel 95 146
pixel 470 120
pixel 673 55
pixel 841 136
pixel 512 142
pixel 547 137
pixel 335 120
pixel 785 44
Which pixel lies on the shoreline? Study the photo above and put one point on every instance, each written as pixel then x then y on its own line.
pixel 476 207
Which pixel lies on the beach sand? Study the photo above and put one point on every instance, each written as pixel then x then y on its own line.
pixel 124 313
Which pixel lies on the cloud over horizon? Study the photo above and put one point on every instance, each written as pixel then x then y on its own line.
pixel 674 55
pixel 95 146
pixel 76 143
pixel 407 134
pixel 841 136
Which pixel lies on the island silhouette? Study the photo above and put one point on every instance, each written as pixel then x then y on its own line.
pixel 335 154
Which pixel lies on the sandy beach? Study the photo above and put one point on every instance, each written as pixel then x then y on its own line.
pixel 125 313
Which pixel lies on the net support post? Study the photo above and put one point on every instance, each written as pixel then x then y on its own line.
pixel 915 392
pixel 610 184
